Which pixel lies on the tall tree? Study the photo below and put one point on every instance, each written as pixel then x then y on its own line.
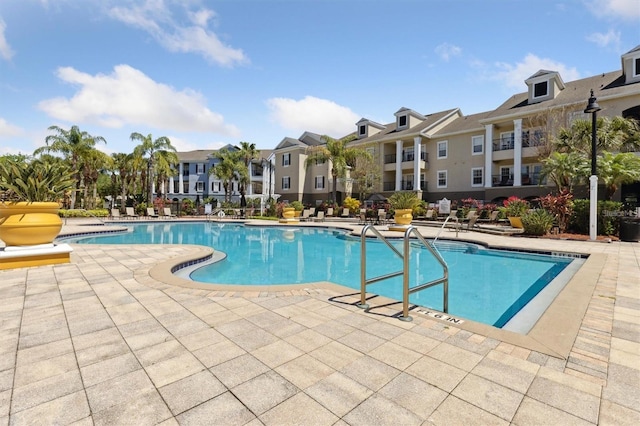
pixel 341 157
pixel 230 166
pixel 123 174
pixel 248 153
pixel 94 164
pixel 618 169
pixel 74 145
pixel 150 150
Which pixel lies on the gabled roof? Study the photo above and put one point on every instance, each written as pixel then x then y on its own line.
pixel 463 124
pixel 576 92
pixel 200 155
pixel 390 131
pixel 542 73
pixel 288 142
pixel 409 111
pixel 370 123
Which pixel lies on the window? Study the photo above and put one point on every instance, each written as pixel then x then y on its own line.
pixel 442 149
pixel 176 186
pixel 185 187
pixel 319 184
pixel 286 159
pixel 442 178
pixel 199 168
pixel 199 186
pixel 408 154
pixel 541 89
pixel 319 161
pixel 185 169
pixel 362 130
pixel 477 145
pixel 215 186
pixel 286 182
pixel 636 68
pixel 477 174
pixel 402 121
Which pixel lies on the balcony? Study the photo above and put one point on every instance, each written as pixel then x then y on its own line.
pixel 526 180
pixel 503 144
pixel 391 158
pixel 405 185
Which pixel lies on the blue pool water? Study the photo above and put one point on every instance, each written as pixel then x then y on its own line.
pixel 485 285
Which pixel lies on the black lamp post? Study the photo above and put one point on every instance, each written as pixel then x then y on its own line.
pixel 593 108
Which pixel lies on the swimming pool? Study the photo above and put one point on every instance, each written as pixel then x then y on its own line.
pixel 485 285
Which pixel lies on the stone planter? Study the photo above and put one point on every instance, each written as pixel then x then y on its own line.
pixel 403 216
pixel 27 224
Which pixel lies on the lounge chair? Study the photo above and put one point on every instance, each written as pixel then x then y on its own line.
pixel 151 212
pixel 167 212
pixel 306 215
pixel 382 216
pixel 345 212
pixel 130 213
pixel 470 224
pixel 115 214
pixel 329 211
pixel 319 217
pixel 208 210
pixel 493 217
pixel 429 214
pixel 363 218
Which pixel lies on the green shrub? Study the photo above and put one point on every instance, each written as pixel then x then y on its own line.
pixel 83 213
pixel 297 205
pixel 537 222
pixel 608 224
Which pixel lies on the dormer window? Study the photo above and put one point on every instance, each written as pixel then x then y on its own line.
pixel 541 89
pixel 402 121
pixel 631 66
pixel 362 130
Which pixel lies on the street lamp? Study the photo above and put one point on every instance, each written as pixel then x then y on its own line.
pixel 593 108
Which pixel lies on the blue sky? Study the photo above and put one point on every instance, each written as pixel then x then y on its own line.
pixel 208 73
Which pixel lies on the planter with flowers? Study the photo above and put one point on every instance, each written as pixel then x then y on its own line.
pixel 515 208
pixel 403 203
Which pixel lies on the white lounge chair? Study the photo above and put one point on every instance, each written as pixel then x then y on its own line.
pixel 131 213
pixel 319 217
pixel 167 212
pixel 151 212
pixel 115 214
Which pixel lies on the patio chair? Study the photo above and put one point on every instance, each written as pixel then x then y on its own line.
pixel 329 211
pixel 345 212
pixel 493 217
pixel 130 213
pixel 306 215
pixel 115 214
pixel 470 224
pixel 363 218
pixel 382 216
pixel 208 210
pixel 167 212
pixel 319 217
pixel 151 212
pixel 429 214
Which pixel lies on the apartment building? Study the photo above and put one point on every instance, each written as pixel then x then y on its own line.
pixel 486 156
pixel 193 179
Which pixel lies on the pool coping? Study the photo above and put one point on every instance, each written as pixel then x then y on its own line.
pixel 553 334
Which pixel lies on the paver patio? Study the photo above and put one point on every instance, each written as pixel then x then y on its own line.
pixel 102 340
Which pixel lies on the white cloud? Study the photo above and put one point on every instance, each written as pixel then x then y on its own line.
pixel 5 50
pixel 129 97
pixel 154 17
pixel 183 145
pixel 610 39
pixel 446 51
pixel 313 114
pixel 628 10
pixel 514 76
pixel 9 130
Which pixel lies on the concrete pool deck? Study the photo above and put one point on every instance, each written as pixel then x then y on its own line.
pixel 111 339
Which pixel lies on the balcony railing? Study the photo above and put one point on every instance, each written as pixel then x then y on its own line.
pixel 405 185
pixel 502 144
pixel 526 180
pixel 391 158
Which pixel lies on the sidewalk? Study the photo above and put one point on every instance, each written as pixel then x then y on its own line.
pixel 107 339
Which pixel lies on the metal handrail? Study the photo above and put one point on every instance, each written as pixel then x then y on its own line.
pixel 445 224
pixel 404 272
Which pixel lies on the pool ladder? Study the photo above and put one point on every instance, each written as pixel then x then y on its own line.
pixel 404 272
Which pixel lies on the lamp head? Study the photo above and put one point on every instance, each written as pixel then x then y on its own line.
pixel 593 105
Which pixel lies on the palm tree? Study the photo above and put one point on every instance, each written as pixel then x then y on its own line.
pixel 74 145
pixel 248 153
pixel 565 169
pixel 618 169
pixel 339 154
pixel 228 168
pixel 150 150
pixel 95 162
pixel 165 166
pixel 123 166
